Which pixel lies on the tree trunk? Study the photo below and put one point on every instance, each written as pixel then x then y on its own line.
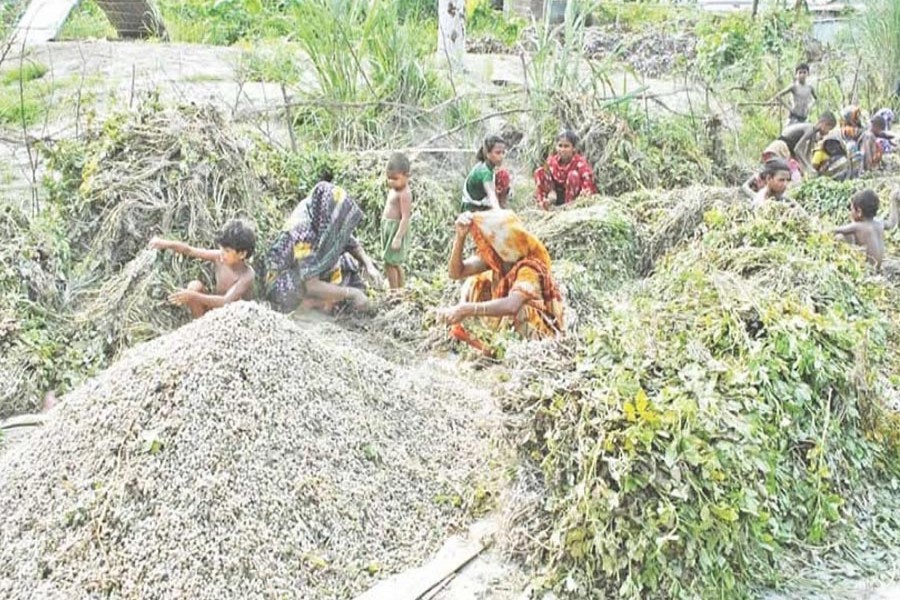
pixel 452 29
pixel 755 9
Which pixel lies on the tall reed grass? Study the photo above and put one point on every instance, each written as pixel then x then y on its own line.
pixel 879 37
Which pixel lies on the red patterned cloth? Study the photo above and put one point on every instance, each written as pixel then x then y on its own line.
pixel 568 181
pixel 501 183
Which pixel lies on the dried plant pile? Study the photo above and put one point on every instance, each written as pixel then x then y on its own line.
pixel 242 456
pixel 722 429
pixel 180 173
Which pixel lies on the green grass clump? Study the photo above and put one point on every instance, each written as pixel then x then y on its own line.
pixel 482 19
pixel 722 422
pixel 27 72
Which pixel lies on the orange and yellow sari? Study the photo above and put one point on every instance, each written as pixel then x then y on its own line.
pixel 519 263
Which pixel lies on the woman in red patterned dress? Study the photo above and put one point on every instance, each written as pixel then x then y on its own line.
pixel 566 174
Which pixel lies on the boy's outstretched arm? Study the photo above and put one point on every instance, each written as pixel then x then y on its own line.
pixel 783 93
pixel 405 213
pixel 234 293
pixel 184 249
pixel 895 211
pixel 803 151
pixel 848 229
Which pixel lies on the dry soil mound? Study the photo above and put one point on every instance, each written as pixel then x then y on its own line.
pixel 241 456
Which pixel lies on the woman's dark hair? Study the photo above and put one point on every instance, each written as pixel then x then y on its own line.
pixel 878 122
pixel 775 165
pixel 568 135
pixel 488 145
pixel 833 147
pixel 326 174
pixel 802 67
pixel 239 235
pixel 867 203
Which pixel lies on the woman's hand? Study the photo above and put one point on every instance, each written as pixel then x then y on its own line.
pixel 463 224
pixel 374 276
pixel 396 244
pixel 451 315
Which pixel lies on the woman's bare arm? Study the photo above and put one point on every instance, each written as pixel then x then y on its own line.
pixel 491 192
pixel 459 268
pixel 748 191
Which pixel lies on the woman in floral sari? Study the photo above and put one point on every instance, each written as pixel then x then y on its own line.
pixel 314 262
pixel 508 279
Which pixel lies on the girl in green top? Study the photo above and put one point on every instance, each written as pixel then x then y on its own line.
pixel 487 185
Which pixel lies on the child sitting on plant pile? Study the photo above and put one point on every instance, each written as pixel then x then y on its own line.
pixel 234 277
pixel 865 230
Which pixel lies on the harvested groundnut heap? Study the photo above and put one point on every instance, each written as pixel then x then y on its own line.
pixel 241 456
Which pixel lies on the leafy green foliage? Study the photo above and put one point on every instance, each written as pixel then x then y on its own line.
pixel 719 422
pixel 484 19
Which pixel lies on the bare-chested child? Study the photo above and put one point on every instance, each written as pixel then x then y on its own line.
pixel 801 139
pixel 395 220
pixel 866 231
pixel 803 95
pixel 234 277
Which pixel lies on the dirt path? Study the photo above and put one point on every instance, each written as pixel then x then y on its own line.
pixel 86 80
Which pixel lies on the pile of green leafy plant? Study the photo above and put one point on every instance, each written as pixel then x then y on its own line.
pixel 594 249
pixel 716 429
pixel 826 197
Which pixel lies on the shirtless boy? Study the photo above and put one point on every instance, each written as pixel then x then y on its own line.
pixel 395 220
pixel 234 277
pixel 801 138
pixel 803 95
pixel 865 230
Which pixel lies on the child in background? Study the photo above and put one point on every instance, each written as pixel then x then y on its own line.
pixel 566 174
pixel 487 185
pixel 234 277
pixel 869 145
pixel 395 220
pixel 803 95
pixel 775 150
pixel 777 175
pixel 866 231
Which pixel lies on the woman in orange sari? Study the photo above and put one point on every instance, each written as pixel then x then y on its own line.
pixel 508 278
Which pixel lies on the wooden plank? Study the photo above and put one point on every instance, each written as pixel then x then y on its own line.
pixel 35 420
pixel 454 555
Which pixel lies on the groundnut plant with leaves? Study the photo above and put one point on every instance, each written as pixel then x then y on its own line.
pixel 722 424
